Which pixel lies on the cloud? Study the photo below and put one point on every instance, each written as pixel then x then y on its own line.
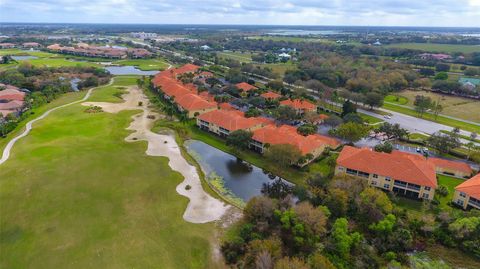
pixel 300 12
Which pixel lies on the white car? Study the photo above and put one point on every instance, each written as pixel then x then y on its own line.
pixel 387 117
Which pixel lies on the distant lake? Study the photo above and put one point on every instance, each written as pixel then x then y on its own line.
pixel 243 179
pixel 129 70
pixel 24 57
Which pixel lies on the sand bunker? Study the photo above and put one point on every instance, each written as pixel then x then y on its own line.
pixel 202 207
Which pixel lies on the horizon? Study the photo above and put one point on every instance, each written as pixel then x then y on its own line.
pixel 403 13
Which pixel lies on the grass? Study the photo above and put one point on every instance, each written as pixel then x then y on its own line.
pixel 243 57
pixel 396 99
pixel 145 64
pixel 452 256
pixel 280 68
pixel 418 136
pixel 440 119
pixel 75 195
pixel 294 39
pixel 430 47
pixel 370 119
pixel 459 107
pixel 450 183
pixel 461 136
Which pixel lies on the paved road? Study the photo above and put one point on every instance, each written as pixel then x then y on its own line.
pixel 28 126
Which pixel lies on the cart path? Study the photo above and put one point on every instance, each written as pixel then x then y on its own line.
pixel 29 125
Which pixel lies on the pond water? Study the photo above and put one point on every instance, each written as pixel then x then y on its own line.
pixel 23 57
pixel 242 179
pixel 129 70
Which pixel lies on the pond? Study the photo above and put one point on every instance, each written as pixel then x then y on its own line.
pixel 242 179
pixel 129 70
pixel 23 57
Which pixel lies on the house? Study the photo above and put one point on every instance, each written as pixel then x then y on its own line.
pixel 271 134
pixel 271 95
pixel 7 45
pixel 30 45
pixel 301 106
pixel 434 56
pixel 194 105
pixel 284 55
pixel 185 96
pixel 245 87
pixel 407 174
pixel 223 122
pixel 467 194
pixel 451 168
pixel 11 100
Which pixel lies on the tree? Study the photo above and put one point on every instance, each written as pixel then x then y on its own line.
pixel 333 121
pixel 437 108
pixel 385 147
pixel 473 136
pixel 277 189
pixel 427 72
pixel 343 241
pixel 212 81
pixel 374 99
pixel 353 117
pixel 283 154
pixel 253 112
pixel 318 261
pixel 285 113
pixel 307 129
pixel 392 131
pixel 347 108
pixel 444 143
pixel 351 131
pixel 290 263
pixel 422 104
pixel 240 139
pixel 441 76
pixel 314 219
pixel 441 67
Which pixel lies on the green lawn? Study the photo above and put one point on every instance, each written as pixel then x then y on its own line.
pixel 430 47
pixel 370 119
pixel 450 183
pixel 75 195
pixel 443 120
pixel 280 68
pixel 294 39
pixel 399 100
pixel 239 56
pixel 145 64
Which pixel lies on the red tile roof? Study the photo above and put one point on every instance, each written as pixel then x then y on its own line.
pixel 191 102
pixel 11 93
pixel 270 95
pixel 402 166
pixel 447 164
pixel 188 68
pixel 231 120
pixel 245 86
pixel 226 106
pixel 12 105
pixel 287 134
pixel 471 187
pixel 299 104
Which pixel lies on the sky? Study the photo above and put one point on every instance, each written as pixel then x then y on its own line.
pixel 451 13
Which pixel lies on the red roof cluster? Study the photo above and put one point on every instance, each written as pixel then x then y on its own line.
pixel 271 95
pixel 232 120
pixel 471 187
pixel 11 99
pixel 446 164
pixel 398 165
pixel 185 95
pixel 287 134
pixel 299 104
pixel 245 87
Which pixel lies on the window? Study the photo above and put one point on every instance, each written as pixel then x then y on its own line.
pixel 374 183
pixel 460 202
pixel 387 178
pixel 427 188
pixel 375 176
pixel 425 195
pixel 386 186
pixel 340 168
pixel 462 194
